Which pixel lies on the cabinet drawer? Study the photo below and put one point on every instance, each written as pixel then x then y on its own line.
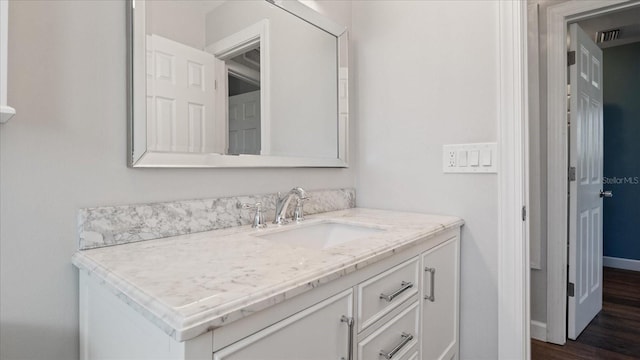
pixel 382 293
pixel 401 334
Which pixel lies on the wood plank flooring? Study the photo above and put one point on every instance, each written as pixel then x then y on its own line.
pixel 614 334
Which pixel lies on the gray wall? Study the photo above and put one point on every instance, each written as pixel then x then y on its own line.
pixel 65 149
pixel 424 79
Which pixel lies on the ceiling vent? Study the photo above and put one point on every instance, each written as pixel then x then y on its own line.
pixel 608 35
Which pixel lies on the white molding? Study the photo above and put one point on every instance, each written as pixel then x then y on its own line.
pixel 538 330
pixel 535 179
pixel 557 153
pixel 513 242
pixel 621 263
pixel 6 111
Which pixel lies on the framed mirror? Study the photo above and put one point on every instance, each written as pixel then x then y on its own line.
pixel 250 83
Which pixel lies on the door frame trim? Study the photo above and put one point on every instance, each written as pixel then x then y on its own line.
pixel 513 183
pixel 558 17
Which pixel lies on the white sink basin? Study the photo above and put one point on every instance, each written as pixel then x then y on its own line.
pixel 321 236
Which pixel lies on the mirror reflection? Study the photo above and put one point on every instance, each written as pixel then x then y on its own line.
pixel 239 78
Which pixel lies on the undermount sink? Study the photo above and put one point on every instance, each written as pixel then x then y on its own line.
pixel 322 235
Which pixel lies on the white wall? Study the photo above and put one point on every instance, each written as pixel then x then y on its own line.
pixel 65 149
pixel 427 75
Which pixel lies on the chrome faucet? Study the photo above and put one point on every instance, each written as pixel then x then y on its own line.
pixel 282 204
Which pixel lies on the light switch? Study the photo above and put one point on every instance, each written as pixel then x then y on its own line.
pixel 462 157
pixel 485 157
pixel 474 158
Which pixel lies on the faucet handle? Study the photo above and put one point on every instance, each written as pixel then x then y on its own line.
pixel 258 217
pixel 298 215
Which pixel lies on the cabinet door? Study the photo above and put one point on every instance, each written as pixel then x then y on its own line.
pixel 319 332
pixel 440 301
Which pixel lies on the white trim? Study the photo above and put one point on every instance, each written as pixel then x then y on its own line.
pixel 557 154
pixel 6 111
pixel 538 330
pixel 535 178
pixel 513 242
pixel 621 263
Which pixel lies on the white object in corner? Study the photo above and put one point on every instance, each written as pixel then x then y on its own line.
pixel 6 112
pixel 470 158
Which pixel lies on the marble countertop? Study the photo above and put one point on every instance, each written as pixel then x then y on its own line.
pixel 190 284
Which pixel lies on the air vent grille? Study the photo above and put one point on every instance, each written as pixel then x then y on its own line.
pixel 608 35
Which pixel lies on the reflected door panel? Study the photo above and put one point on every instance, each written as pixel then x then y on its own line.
pixel 244 123
pixel 180 97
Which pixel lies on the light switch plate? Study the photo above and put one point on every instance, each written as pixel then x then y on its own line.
pixel 470 158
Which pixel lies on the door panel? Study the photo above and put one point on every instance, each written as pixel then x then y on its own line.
pixel 440 302
pixel 181 96
pixel 585 203
pixel 244 123
pixel 317 333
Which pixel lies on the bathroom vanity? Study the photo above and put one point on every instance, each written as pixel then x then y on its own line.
pixel 348 284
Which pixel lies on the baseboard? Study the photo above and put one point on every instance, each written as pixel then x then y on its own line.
pixel 538 330
pixel 621 263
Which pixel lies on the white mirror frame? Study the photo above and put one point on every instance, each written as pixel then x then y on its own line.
pixel 138 156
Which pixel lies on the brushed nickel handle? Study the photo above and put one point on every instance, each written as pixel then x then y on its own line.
pixel 406 338
pixel 258 218
pixel 432 291
pixel 606 194
pixel 403 287
pixel 349 321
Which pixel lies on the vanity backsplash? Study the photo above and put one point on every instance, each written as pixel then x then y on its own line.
pixel 113 225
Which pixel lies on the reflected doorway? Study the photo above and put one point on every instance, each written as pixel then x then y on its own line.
pixel 243 83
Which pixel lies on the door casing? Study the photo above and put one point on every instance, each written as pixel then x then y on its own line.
pixel 558 17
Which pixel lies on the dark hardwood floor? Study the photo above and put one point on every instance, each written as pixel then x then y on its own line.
pixel 614 334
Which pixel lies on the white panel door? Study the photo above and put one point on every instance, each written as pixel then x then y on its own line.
pixel 244 123
pixel 180 97
pixel 585 203
pixel 317 333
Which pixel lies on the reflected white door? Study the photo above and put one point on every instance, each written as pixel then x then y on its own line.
pixel 180 97
pixel 585 203
pixel 244 123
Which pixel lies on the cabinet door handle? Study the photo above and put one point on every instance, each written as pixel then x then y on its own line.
pixel 349 321
pixel 403 287
pixel 406 338
pixel 432 295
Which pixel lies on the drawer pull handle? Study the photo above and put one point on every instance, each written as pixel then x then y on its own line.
pixel 403 287
pixel 432 296
pixel 406 338
pixel 349 321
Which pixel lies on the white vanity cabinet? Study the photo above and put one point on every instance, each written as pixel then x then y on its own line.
pixel 319 332
pixel 397 308
pixel 440 299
